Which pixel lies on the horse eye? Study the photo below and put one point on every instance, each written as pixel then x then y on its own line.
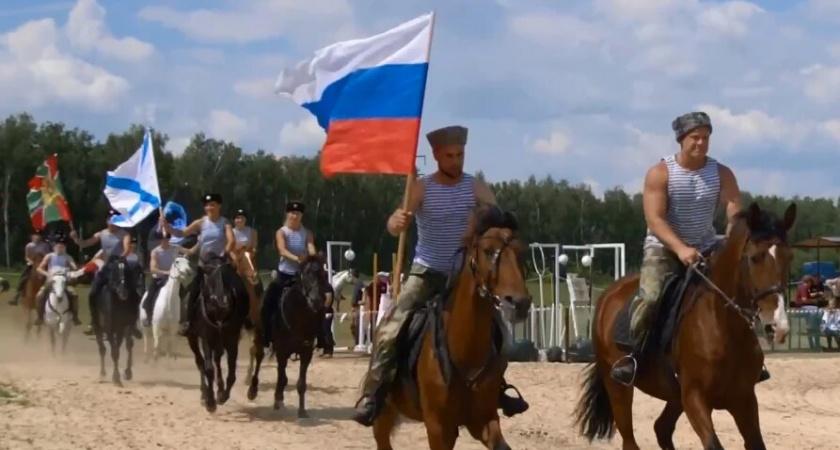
pixel 757 258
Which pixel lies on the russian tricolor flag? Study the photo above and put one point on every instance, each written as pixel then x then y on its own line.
pixel 368 96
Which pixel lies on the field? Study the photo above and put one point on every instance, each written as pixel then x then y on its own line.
pixel 59 403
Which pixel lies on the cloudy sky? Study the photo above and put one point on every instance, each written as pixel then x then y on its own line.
pixel 586 90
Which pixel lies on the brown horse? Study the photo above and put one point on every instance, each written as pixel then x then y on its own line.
pixel 30 291
pixel 456 376
pixel 713 359
pixel 244 264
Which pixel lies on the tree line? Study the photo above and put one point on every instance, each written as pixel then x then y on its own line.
pixel 346 207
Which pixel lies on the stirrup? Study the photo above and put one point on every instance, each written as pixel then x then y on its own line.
pixel 635 369
pixel 506 386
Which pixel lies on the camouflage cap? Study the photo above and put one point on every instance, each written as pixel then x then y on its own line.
pixel 452 135
pixel 688 122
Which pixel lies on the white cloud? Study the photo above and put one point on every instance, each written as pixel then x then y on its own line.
pixel 305 135
pixel 558 143
pixel 225 125
pixel 177 145
pixel 821 83
pixel 555 29
pixel 87 31
pixel 639 10
pixel 831 128
pixel 256 20
pixel 753 127
pixel 35 73
pixel 729 18
pixel 259 88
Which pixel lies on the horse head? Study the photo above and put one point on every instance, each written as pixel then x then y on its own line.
pixel 120 279
pixel 314 280
pixel 213 289
pixel 495 260
pixel 181 269
pixel 764 266
pixel 59 283
pixel 242 263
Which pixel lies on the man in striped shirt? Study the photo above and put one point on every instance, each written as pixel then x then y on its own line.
pixel 442 203
pixel 680 197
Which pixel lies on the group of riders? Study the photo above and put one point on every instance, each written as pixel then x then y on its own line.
pixel 681 195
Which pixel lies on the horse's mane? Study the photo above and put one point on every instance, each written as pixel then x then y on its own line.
pixel 763 224
pixel 317 258
pixel 485 217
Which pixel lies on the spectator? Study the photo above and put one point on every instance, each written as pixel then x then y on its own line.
pixel 806 302
pixel 833 286
pixel 807 293
pixel 831 323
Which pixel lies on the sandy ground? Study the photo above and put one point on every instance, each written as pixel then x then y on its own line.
pixel 62 405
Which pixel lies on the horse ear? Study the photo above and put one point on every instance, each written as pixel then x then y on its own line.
pixel 790 216
pixel 510 220
pixel 754 216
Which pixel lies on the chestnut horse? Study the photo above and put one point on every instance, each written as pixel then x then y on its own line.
pixel 455 377
pixel 243 263
pixel 30 291
pixel 714 358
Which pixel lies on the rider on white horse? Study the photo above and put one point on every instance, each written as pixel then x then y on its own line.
pixel 52 263
pixel 160 262
pixel 38 247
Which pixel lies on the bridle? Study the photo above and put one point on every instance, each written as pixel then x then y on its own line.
pixel 494 259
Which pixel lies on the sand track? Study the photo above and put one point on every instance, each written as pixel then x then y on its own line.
pixel 65 406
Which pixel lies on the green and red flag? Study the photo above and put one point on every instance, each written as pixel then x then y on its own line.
pixel 46 196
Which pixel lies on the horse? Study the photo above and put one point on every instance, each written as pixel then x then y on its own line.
pixel 30 291
pixel 243 262
pixel 702 352
pixel 58 315
pixel 450 363
pixel 221 312
pixel 339 281
pixel 166 312
pixel 117 317
pixel 296 324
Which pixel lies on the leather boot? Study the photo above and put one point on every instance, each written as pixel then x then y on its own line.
pixel 764 375
pixel 376 387
pixel 624 370
pixel 74 308
pixel 511 406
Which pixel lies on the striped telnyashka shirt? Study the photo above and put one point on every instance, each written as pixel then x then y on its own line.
pixel 295 243
pixel 692 200
pixel 442 221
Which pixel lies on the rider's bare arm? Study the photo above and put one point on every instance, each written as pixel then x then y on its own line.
pixel 310 243
pixel 27 255
pixel 153 265
pixel 253 247
pixel 42 268
pixel 83 243
pixel 281 246
pixel 126 242
pixel 231 240
pixel 655 203
pixel 730 195
pixel 72 263
pixel 483 194
pixel 415 200
pixel 193 228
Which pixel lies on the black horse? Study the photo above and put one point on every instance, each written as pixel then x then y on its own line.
pixel 295 326
pixel 117 308
pixel 221 311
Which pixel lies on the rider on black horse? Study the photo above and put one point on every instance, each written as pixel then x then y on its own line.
pixel 37 247
pixel 115 243
pixel 215 238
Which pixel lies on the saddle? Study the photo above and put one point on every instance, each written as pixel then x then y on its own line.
pixel 665 319
pixel 429 319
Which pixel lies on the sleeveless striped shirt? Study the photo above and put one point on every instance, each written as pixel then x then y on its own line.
pixel 41 248
pixel 212 237
pixel 244 237
pixel 692 200
pixel 57 261
pixel 441 222
pixel 165 258
pixel 111 242
pixel 295 243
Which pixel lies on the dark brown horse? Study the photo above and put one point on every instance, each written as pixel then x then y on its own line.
pixel 117 305
pixel 298 320
pixel 30 291
pixel 221 311
pixel 458 372
pixel 714 359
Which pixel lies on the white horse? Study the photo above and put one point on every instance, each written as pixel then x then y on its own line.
pixel 166 312
pixel 58 316
pixel 339 281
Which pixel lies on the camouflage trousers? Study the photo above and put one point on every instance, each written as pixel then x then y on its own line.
pixel 422 284
pixel 657 264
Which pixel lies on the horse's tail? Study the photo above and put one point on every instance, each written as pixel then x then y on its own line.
pixel 594 413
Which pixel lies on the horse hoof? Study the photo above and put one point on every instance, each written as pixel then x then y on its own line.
pixel 252 392
pixel 210 407
pixel 302 414
pixel 128 375
pixel 278 405
pixel 117 382
pixel 222 397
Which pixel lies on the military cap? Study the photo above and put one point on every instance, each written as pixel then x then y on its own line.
pixel 689 122
pixel 452 135
pixel 113 212
pixel 295 205
pixel 241 212
pixel 212 197
pixel 59 238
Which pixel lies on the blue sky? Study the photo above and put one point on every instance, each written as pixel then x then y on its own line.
pixel 582 90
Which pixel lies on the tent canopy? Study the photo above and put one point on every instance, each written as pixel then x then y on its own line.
pixel 819 242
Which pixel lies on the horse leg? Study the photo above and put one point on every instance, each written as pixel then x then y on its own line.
pixel 746 418
pixel 100 342
pixel 220 380
pixel 199 364
pixel 115 339
pixel 209 374
pixel 257 354
pixel 489 433
pixel 383 426
pixel 282 360
pixel 621 402
pixel 305 359
pixel 232 354
pixel 666 423
pixel 700 416
pixel 440 437
pixel 129 362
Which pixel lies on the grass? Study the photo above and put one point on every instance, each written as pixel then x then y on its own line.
pixel 10 394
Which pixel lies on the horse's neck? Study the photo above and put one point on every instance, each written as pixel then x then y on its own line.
pixel 472 317
pixel 726 266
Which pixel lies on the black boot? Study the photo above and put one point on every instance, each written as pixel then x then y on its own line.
pixel 15 300
pixel 764 375
pixel 624 370
pixel 94 315
pixel 74 308
pixel 511 406
pixel 369 407
pixel 41 303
